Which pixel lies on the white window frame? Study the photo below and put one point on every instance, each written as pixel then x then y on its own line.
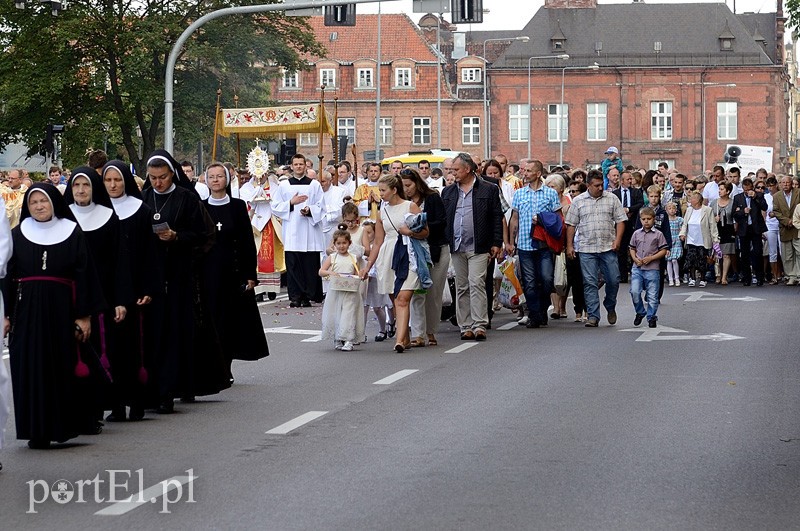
pixel 471 75
pixel 386 132
pixel 470 130
pixel 290 80
pixel 557 122
pixel 402 77
pixel 365 78
pixel 519 122
pixel 327 77
pixel 347 126
pixel 661 120
pixel 421 130
pixel 653 164
pixel 727 120
pixel 596 122
pixel 307 139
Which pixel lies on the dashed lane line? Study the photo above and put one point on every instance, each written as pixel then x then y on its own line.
pixel 295 423
pixel 460 348
pixel 399 375
pixel 148 495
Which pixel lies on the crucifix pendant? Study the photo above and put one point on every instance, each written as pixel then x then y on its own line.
pixel 156 216
pixel 219 225
pixel 44 260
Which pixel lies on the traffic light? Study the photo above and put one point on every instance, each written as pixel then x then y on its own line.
pixel 340 15
pixel 467 11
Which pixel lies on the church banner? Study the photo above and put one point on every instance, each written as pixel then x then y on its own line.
pixel 272 120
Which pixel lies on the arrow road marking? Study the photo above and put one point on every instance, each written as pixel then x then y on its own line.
pixel 654 334
pixel 696 296
pixel 315 334
pixel 293 424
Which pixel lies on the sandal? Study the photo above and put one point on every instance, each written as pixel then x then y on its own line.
pixel 381 336
pixel 417 342
pixel 392 329
pixel 399 348
pixel 432 340
pixel 562 315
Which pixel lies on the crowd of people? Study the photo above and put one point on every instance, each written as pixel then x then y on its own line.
pixel 124 294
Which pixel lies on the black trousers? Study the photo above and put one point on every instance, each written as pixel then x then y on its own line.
pixel 752 247
pixel 575 282
pixel 303 282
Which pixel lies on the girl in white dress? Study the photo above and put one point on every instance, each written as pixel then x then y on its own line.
pixel 391 226
pixel 342 314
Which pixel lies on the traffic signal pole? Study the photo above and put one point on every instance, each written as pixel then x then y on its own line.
pixel 169 76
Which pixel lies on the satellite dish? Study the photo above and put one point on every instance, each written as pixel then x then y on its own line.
pixel 732 154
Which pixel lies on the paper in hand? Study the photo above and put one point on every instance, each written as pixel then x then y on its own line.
pixel 158 228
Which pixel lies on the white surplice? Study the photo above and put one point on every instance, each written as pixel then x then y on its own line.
pixel 300 233
pixel 334 199
pixel 6 247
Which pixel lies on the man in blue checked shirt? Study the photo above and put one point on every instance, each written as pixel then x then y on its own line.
pixel 535 257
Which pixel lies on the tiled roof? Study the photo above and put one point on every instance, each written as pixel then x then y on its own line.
pixel 400 39
pixel 688 34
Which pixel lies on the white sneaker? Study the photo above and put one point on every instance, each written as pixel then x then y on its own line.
pixel 702 283
pixel 677 283
pixel 671 283
pixel 348 346
pixel 338 344
pixel 691 282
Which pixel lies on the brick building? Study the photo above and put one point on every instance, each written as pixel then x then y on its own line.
pixel 655 80
pixel 410 70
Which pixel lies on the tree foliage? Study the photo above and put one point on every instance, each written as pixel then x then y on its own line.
pixel 99 68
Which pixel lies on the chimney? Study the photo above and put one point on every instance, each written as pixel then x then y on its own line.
pixel 570 4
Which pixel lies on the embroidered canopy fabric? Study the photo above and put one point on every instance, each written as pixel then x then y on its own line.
pixel 267 120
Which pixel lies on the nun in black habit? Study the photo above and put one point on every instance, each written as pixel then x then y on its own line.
pixel 52 294
pixel 230 272
pixel 190 360
pixel 133 364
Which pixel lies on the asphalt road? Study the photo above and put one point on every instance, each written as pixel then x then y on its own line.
pixel 695 425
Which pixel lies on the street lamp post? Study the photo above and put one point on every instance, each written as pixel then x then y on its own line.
pixel 563 56
pixel 488 135
pixel 594 66
pixel 703 113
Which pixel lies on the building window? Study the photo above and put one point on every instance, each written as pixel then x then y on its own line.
pixel 307 139
pixel 655 162
pixel 470 130
pixel 726 120
pixel 518 122
pixel 365 78
pixel 347 127
pixel 290 80
pixel 421 130
pixel 327 77
pixel 471 75
pixel 402 77
pixel 661 120
pixel 386 132
pixel 557 122
pixel 596 121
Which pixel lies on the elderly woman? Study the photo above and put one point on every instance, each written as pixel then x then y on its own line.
pixel 559 297
pixel 392 262
pixel 427 308
pixel 699 232
pixel 54 290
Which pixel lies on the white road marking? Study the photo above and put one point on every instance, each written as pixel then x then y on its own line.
pixel 654 334
pixel 293 424
pixel 695 296
pixel 316 336
pixel 394 377
pixel 148 495
pixel 509 326
pixel 460 348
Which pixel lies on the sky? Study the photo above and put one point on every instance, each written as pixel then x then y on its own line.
pixel 515 14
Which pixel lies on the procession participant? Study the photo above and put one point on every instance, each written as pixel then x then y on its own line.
pixel 266 226
pixel 230 273
pixel 347 181
pixel 367 196
pixel 190 363
pixel 334 198
pixel 6 246
pixel 301 205
pixel 90 204
pixel 198 181
pixel 12 193
pixel 434 183
pixel 133 366
pixel 784 204
pixel 55 291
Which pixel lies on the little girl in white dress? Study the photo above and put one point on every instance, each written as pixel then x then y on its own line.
pixel 342 314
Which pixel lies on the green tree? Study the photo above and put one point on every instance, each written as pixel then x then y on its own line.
pixel 99 68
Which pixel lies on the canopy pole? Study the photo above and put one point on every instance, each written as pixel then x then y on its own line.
pixel 216 127
pixel 322 121
pixel 238 138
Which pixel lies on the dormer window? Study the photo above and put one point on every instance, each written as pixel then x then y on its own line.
pixel 558 42
pixel 726 39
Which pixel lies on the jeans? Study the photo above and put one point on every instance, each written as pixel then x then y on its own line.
pixel 471 308
pixel 591 265
pixel 647 280
pixel 537 281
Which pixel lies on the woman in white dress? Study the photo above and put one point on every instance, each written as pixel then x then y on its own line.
pixel 388 229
